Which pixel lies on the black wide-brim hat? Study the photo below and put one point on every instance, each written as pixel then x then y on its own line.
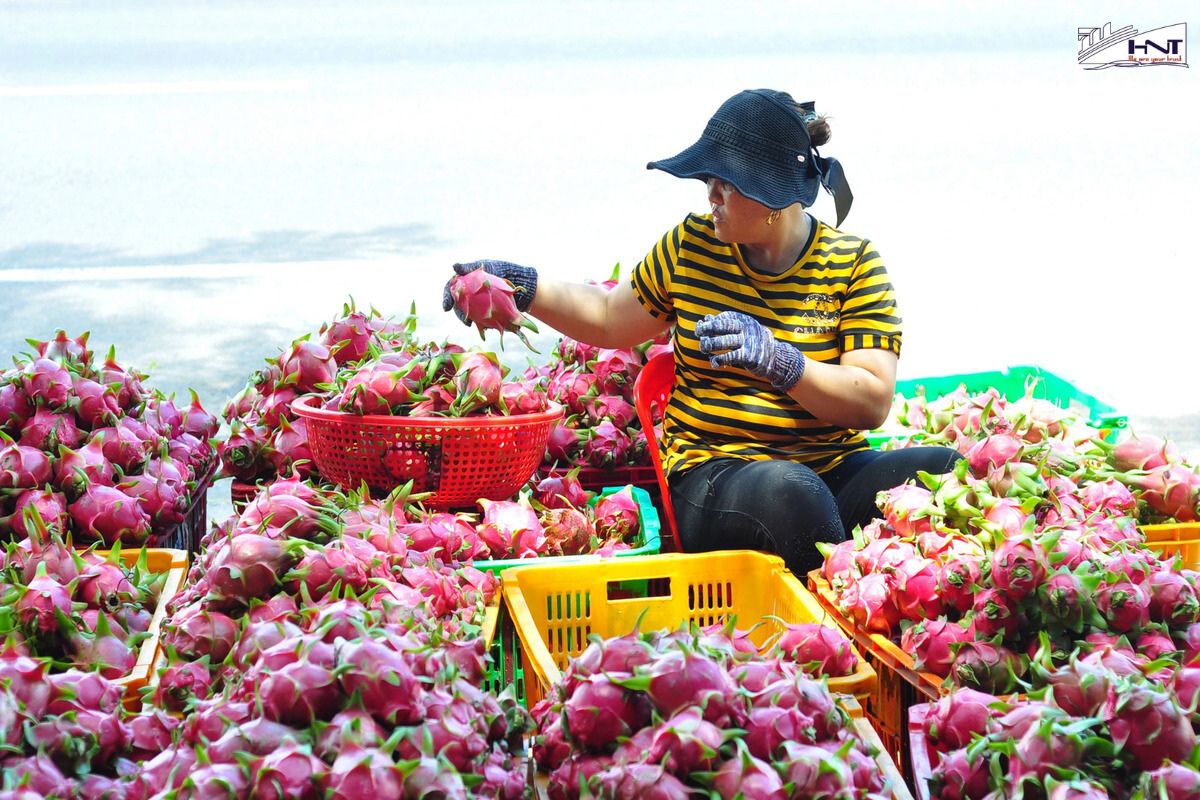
pixel 758 141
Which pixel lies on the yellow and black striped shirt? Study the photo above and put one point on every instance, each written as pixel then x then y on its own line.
pixel 836 298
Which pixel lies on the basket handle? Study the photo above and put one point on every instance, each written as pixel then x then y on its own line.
pixel 638 589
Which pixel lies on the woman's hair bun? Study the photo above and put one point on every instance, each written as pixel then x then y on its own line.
pixel 819 130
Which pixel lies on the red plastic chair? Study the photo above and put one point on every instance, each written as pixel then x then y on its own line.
pixel 653 388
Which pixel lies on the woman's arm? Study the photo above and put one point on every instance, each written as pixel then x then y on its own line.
pixel 855 393
pixel 595 315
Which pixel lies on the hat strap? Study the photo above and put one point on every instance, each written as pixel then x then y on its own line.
pixel 833 178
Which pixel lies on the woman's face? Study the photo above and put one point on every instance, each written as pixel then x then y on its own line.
pixel 736 218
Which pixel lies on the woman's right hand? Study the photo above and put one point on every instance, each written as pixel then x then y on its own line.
pixel 523 279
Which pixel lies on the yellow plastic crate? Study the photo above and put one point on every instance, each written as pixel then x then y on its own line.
pixel 175 564
pixel 1178 538
pixel 556 608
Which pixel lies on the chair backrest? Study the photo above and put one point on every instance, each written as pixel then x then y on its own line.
pixel 653 388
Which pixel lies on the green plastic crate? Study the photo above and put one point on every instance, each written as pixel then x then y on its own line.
pixel 504 663
pixel 1010 382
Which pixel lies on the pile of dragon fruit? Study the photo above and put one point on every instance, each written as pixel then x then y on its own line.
pixel 87 449
pixel 699 711
pixel 72 608
pixel 967 568
pixel 1100 729
pixel 1166 485
pixel 67 734
pixel 329 645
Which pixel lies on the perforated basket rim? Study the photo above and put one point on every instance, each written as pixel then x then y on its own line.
pixel 303 409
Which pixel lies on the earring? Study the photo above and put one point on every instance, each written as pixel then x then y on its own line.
pixel 774 216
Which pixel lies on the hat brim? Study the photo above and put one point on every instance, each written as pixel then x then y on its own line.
pixel 708 159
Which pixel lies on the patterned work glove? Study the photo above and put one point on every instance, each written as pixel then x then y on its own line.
pixel 523 279
pixel 739 340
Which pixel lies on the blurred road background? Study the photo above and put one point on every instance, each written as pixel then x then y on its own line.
pixel 200 182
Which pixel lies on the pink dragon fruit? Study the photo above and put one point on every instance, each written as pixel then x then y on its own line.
pixel 349 728
pixel 306 366
pixel 64 348
pixel 746 776
pixel 931 643
pixel 95 405
pixel 1173 598
pixel 15 408
pixel 349 336
pixel 384 680
pixel 46 383
pixel 76 690
pixel 617 515
pixel 380 388
pixel 162 501
pixel 616 370
pixel 290 772
pixel 42 602
pixel 599 711
pixel 1143 453
pixel 1171 490
pixel 511 529
pixel 568 531
pixel 487 302
pixel 123 447
pixel 195 632
pixel 250 565
pixel 648 781
pixel 47 430
pixel 607 445
pixel 76 470
pixel 959 776
pixel 522 397
pixel 23 467
pixel 992 668
pixel 956 581
pixel 1174 781
pixel 110 515
pixel 958 717
pixel 561 491
pixel 182 682
pixel 993 451
pixel 820 649
pixel 870 602
pixel 1146 722
pixel 563 444
pixel 360 773
pixel 917 589
pixel 684 743
pixel 197 421
pixel 572 387
pixel 477 381
pixel 811 767
pixel 288 449
pixel 1125 606
pixel 300 693
pixel 1019 566
pixel 614 408
pixel 908 509
pixel 37 512
pixel 1110 497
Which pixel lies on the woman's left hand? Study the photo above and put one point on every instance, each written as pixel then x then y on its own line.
pixel 734 339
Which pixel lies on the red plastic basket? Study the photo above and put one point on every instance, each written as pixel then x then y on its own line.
pixel 458 459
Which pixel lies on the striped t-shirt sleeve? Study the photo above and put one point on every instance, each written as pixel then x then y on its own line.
pixel 652 277
pixel 870 318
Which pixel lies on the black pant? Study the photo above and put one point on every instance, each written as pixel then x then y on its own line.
pixel 785 508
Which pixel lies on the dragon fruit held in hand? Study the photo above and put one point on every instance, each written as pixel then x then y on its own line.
pixel 486 301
